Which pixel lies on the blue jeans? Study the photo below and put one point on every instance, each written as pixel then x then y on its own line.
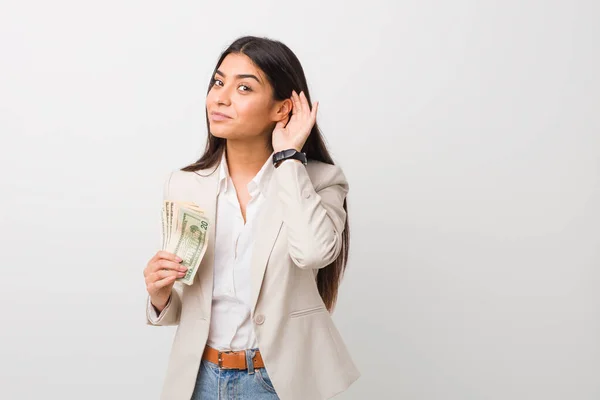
pixel 224 384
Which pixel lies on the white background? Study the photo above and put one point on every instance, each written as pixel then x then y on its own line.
pixel 469 132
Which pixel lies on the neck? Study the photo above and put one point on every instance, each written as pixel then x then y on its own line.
pixel 245 159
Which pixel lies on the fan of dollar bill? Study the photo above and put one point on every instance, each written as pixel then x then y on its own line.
pixel 184 233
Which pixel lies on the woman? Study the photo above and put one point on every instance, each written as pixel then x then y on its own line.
pixel 256 321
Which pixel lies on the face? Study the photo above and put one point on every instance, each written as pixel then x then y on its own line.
pixel 240 103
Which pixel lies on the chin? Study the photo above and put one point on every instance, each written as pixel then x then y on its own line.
pixel 223 132
pixel 219 132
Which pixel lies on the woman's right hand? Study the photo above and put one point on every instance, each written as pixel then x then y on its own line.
pixel 160 274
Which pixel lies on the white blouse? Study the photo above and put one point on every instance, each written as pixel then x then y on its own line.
pixel 231 327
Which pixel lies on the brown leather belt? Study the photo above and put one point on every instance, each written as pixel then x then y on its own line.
pixel 231 359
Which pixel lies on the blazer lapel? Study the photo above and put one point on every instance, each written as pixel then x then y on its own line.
pixel 269 224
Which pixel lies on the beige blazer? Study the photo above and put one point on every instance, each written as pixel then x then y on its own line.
pixel 300 229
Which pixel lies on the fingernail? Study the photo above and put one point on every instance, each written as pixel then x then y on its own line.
pixel 183 269
pixel 178 259
pixel 180 274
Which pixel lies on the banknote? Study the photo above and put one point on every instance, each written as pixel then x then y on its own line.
pixel 185 233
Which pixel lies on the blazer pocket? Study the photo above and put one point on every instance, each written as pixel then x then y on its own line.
pixel 307 311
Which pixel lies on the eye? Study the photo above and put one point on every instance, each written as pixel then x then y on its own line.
pixel 217 82
pixel 248 89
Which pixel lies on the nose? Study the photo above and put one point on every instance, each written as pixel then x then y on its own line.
pixel 221 96
pixel 220 100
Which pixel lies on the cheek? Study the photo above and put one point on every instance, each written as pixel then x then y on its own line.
pixel 252 112
pixel 246 109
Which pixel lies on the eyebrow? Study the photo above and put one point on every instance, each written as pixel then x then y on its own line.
pixel 240 76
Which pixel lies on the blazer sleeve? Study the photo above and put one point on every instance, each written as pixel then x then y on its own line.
pixel 172 311
pixel 170 314
pixel 313 215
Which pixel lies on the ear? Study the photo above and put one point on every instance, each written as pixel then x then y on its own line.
pixel 282 110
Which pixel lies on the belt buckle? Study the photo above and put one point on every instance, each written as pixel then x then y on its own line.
pixel 220 359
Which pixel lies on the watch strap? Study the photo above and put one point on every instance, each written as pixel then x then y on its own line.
pixel 290 154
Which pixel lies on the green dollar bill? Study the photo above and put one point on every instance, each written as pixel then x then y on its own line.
pixel 191 241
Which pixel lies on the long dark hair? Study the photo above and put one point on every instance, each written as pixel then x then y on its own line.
pixel 284 72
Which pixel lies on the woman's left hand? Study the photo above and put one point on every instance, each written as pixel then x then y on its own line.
pixel 294 134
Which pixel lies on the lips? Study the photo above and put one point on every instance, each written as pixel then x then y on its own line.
pixel 218 115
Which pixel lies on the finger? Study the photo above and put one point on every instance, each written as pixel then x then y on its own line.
pixel 304 102
pixel 154 257
pixel 297 105
pixel 168 256
pixel 168 265
pixel 163 282
pixel 162 274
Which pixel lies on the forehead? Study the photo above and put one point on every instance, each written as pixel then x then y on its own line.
pixel 238 64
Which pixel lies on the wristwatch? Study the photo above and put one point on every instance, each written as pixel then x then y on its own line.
pixel 292 154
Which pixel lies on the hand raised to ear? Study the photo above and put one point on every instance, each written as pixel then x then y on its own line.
pixel 294 134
